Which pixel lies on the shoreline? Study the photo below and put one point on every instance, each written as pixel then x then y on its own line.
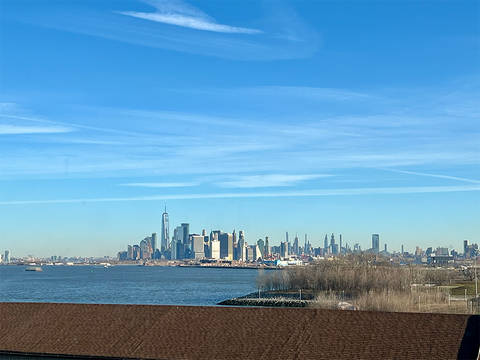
pixel 271 299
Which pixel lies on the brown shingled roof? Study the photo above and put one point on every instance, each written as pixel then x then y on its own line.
pixel 197 332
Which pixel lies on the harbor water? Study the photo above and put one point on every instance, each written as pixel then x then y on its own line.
pixel 155 285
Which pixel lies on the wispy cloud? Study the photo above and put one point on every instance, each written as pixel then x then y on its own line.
pixel 17 130
pixel 178 26
pixel 329 192
pixel 434 175
pixel 162 185
pixel 241 143
pixel 8 106
pixel 72 126
pixel 315 93
pixel 270 180
pixel 179 13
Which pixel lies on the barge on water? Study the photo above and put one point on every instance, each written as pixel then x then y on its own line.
pixel 33 268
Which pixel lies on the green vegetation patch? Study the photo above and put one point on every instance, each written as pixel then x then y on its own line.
pixel 460 288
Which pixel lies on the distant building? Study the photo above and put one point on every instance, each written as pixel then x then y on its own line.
pixel 7 257
pixel 357 248
pixel 249 253
pixel 180 241
pixel 267 246
pixel 180 250
pixel 441 251
pixel 295 245
pixel 334 249
pixel 275 250
pixel 173 249
pixel 439 259
pixel 198 249
pixel 284 249
pixel 471 251
pixel 153 244
pixel 145 250
pixel 226 246
pixel 253 253
pixel 375 242
pixel 215 249
pixel 261 248
pixel 333 245
pixel 241 246
pixel 136 252
pixel 418 251
pixel 185 233
pixel 165 230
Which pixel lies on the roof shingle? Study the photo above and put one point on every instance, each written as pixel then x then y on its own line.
pixel 191 332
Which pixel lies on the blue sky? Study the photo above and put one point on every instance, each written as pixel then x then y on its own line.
pixel 305 116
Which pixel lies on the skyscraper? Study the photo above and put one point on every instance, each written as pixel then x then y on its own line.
pixel 198 249
pixel 235 246
pixel 145 250
pixel 261 248
pixel 296 245
pixel 165 231
pixel 154 244
pixel 375 242
pixel 284 249
pixel 226 246
pixel 186 233
pixel 241 246
pixel 334 247
pixel 267 246
pixel 326 242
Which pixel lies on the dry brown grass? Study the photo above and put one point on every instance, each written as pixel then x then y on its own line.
pixel 368 283
pixel 433 301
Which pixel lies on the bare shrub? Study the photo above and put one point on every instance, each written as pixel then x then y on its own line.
pixel 353 275
pixel 369 283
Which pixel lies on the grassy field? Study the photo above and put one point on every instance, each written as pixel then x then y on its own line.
pixel 459 289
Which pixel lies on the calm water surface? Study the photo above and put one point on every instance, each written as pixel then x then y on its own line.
pixel 160 285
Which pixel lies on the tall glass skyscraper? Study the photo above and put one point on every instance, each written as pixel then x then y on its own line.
pixel 375 242
pixel 165 230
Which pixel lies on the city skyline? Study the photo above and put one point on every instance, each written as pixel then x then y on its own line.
pixel 186 237
pixel 357 118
